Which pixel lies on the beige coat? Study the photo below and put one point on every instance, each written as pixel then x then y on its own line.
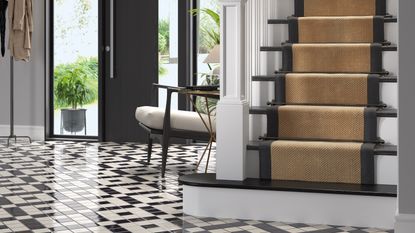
pixel 20 28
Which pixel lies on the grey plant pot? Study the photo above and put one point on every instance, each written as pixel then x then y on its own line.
pixel 73 120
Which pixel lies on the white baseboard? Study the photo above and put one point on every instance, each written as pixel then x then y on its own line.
pixel 297 207
pixel 405 223
pixel 37 133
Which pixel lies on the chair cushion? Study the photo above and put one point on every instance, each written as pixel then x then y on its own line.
pixel 153 117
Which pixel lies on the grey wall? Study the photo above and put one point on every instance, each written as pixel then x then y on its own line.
pixel 406 108
pixel 29 79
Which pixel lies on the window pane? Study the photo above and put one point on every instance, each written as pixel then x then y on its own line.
pixel 75 59
pixel 168 48
pixel 208 40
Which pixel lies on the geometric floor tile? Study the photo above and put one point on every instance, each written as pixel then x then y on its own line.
pixel 109 187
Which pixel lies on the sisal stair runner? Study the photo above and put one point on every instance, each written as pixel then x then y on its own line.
pixel 333 162
pixel 355 124
pixel 324 128
pixel 339 7
pixel 327 89
pixel 332 58
pixel 346 29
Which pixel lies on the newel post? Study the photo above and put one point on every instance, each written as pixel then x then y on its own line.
pixel 233 108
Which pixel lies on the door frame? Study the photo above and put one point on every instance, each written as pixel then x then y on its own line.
pixel 49 71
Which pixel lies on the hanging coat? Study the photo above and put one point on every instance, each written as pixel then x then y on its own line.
pixel 3 7
pixel 21 28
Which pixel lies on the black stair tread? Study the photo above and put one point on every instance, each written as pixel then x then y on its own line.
pixel 391 47
pixel 271 78
pixel 381 149
pixel 385 112
pixel 391 19
pixel 209 180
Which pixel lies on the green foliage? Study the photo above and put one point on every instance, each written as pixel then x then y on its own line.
pixel 164 37
pixel 76 84
pixel 210 80
pixel 209 26
pixel 162 70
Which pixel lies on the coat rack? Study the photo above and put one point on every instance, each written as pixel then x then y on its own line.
pixel 12 133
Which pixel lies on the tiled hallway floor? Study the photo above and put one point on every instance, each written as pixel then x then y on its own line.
pixel 108 187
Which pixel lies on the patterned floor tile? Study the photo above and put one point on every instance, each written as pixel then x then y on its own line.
pixel 109 187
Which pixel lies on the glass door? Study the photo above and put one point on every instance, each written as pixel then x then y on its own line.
pixel 168 39
pixel 75 68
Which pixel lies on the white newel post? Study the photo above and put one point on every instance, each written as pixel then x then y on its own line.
pixel 233 108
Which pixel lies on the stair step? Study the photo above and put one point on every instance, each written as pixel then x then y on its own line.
pixel 272 78
pixel 385 48
pixel 209 180
pixel 386 112
pixel 381 149
pixel 389 19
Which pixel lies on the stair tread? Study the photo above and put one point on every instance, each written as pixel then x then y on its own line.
pixel 391 19
pixel 271 78
pixel 209 180
pixel 391 47
pixel 381 149
pixel 386 112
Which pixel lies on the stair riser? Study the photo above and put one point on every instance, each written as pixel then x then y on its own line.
pixel 389 94
pixel 284 206
pixel 386 168
pixel 387 128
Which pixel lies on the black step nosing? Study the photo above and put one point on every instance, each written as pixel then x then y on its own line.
pixel 285 21
pixel 383 150
pixel 389 113
pixel 210 181
pixel 385 48
pixel 270 78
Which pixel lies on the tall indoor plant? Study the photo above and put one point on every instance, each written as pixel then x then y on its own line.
pixel 74 88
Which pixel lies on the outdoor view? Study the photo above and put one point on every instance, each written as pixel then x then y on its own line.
pixel 168 48
pixel 75 67
pixel 208 38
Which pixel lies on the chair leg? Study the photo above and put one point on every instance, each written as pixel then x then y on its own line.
pixel 149 148
pixel 165 148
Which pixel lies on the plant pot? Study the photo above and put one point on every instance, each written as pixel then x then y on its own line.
pixel 73 120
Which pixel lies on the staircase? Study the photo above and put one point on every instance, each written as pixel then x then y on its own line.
pixel 328 133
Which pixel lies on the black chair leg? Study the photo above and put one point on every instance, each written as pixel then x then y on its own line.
pixel 149 148
pixel 165 145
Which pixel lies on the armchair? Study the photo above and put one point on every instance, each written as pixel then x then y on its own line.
pixel 167 124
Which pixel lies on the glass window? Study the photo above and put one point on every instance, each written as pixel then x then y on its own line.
pixel 75 67
pixel 208 42
pixel 168 48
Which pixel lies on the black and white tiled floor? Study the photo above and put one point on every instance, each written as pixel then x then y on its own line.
pixel 108 187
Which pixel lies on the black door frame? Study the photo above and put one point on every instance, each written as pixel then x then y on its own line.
pixel 49 71
pixel 187 71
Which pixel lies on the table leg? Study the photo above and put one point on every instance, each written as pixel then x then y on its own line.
pixel 203 155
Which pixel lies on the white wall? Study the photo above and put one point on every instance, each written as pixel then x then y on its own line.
pixel 29 84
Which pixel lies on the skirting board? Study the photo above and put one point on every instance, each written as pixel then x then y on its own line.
pixel 297 207
pixel 405 223
pixel 37 133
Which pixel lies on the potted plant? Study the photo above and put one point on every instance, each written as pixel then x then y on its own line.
pixel 74 87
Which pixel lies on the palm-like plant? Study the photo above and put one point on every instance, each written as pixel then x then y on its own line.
pixel 211 32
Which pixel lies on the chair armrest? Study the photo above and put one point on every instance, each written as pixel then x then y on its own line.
pixel 160 86
pixel 156 86
pixel 167 112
